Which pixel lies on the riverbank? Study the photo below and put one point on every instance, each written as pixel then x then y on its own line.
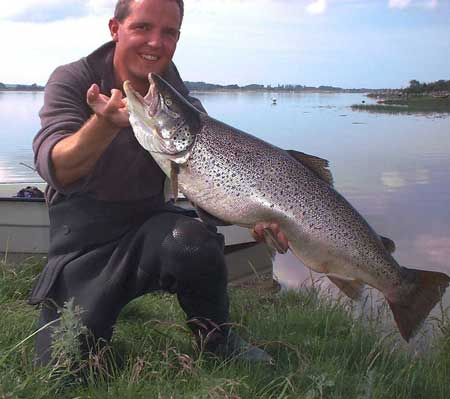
pixel 321 351
pixel 411 104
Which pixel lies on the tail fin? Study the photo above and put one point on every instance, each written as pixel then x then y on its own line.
pixel 413 308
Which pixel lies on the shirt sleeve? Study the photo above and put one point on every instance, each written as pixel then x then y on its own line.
pixel 64 112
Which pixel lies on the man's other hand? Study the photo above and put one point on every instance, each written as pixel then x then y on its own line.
pixel 112 110
pixel 277 239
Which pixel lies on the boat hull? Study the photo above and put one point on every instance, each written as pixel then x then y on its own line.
pixel 24 233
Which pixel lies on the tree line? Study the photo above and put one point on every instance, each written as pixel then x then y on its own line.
pixel 202 86
pixel 19 87
pixel 416 87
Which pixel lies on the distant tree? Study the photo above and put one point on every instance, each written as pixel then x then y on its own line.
pixel 2 86
pixel 253 87
pixel 415 87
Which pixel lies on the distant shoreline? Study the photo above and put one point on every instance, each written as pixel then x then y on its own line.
pixel 21 87
pixel 309 91
pixel 278 92
pixel 202 87
pixel 21 91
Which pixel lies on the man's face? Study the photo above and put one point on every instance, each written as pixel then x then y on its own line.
pixel 146 40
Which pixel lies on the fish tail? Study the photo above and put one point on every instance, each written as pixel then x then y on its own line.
pixel 413 307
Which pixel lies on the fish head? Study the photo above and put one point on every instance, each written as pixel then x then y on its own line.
pixel 163 121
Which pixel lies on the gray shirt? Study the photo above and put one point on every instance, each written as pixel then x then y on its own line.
pixel 125 171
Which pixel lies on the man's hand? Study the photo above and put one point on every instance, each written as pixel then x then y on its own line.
pixel 112 110
pixel 272 235
pixel 75 156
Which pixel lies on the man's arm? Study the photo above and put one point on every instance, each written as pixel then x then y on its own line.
pixel 75 156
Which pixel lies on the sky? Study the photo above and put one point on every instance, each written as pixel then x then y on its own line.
pixel 343 43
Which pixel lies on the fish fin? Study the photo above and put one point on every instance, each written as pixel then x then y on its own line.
pixel 413 308
pixel 174 170
pixel 209 219
pixel 318 166
pixel 272 241
pixel 389 244
pixel 352 288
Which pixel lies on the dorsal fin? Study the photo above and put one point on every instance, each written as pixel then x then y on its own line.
pixel 317 165
pixel 388 244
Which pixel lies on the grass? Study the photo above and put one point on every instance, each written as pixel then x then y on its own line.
pixel 419 104
pixel 321 351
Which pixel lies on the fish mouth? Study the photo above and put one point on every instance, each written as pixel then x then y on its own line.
pixel 160 120
pixel 150 104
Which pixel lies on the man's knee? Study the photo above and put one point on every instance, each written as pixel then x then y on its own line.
pixel 193 252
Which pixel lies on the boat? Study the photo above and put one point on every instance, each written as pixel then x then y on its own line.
pixel 24 233
pixel 445 95
pixel 274 101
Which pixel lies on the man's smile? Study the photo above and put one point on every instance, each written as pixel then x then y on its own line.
pixel 149 57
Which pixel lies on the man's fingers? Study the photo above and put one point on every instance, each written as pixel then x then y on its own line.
pixel 259 235
pixel 92 94
pixel 283 241
pixel 116 99
pixel 111 109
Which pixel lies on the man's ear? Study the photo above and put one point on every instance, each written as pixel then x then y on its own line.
pixel 114 29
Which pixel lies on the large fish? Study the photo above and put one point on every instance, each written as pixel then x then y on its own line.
pixel 234 177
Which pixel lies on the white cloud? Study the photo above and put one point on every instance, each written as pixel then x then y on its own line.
pixel 430 4
pixel 317 7
pixel 102 6
pixel 43 11
pixel 399 3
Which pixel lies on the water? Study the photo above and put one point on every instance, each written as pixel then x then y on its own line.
pixel 19 122
pixel 395 169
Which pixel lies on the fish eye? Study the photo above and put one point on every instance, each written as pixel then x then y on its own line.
pixel 168 102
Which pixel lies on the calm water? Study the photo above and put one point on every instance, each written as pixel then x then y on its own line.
pixel 394 169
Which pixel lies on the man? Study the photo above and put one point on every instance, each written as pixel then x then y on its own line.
pixel 112 238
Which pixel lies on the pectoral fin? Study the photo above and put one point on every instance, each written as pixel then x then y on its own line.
pixel 352 288
pixel 318 166
pixel 174 169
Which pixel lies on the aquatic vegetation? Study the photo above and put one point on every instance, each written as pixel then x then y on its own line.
pixel 417 104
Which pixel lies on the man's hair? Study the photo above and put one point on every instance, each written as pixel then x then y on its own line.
pixel 123 9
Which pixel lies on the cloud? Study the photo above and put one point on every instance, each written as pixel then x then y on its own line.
pixel 430 4
pixel 317 7
pixel 43 11
pixel 399 3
